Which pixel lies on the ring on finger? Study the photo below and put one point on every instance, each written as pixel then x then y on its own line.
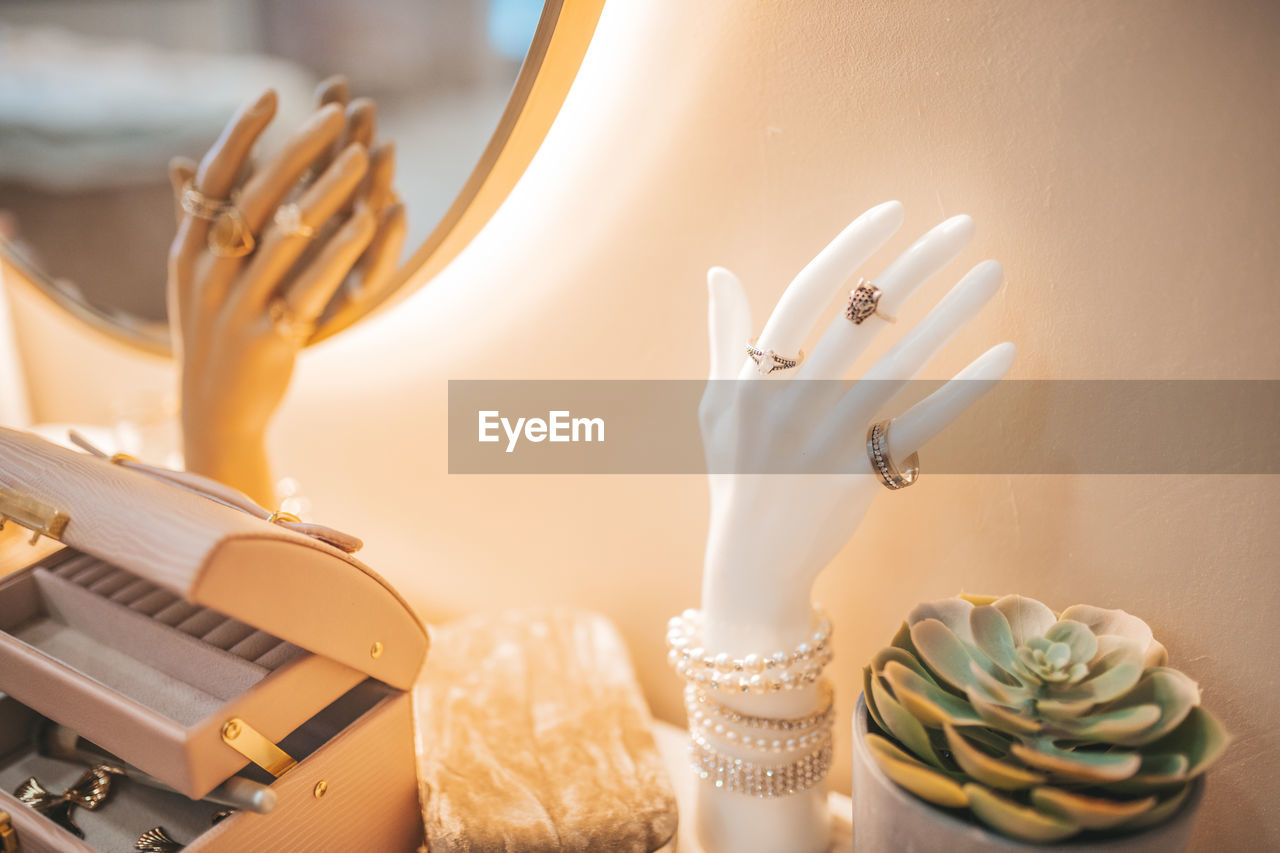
pixel 882 462
pixel 287 324
pixel 230 236
pixel 289 220
pixel 198 204
pixel 768 361
pixel 864 302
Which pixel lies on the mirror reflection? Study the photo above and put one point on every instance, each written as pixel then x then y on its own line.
pixel 96 97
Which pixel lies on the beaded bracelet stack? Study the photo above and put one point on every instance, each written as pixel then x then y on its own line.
pixel 765 734
pixel 757 674
pixel 807 740
pixel 766 781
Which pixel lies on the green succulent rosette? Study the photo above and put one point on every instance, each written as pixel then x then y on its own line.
pixel 1041 726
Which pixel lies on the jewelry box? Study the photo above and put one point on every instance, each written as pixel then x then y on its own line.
pixel 196 642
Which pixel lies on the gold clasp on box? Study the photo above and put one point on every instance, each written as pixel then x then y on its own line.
pixel 8 835
pixel 37 516
pixel 253 745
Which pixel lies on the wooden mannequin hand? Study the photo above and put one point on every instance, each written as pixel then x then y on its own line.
pixel 239 322
pixel 771 535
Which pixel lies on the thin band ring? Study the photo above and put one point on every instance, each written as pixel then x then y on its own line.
pixel 864 302
pixel 289 220
pixel 198 204
pixel 882 460
pixel 287 325
pixel 767 361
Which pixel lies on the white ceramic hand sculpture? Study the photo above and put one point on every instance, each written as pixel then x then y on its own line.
pixel 771 534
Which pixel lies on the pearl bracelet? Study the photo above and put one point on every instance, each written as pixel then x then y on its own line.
pixel 808 740
pixel 701 706
pixel 759 780
pixel 709 718
pixel 752 673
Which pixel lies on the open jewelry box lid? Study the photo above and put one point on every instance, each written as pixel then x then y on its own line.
pixel 293 587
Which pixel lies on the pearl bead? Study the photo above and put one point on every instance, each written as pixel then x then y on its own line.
pixel 719 729
pixel 791 743
pixel 697 654
pixel 802 651
pixel 722 661
pixel 778 659
pixel 731 736
pixel 690 615
pixel 753 663
pixel 776 746
pixel 673 657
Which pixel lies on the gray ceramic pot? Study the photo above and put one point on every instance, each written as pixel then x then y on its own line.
pixel 887 819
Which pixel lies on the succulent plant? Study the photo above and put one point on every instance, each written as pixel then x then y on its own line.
pixel 1042 726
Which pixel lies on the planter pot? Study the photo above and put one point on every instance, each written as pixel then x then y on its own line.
pixel 887 818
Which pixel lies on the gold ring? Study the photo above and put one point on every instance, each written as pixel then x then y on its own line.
pixel 882 460
pixel 287 325
pixel 200 205
pixel 288 219
pixel 767 361
pixel 156 840
pixel 230 236
pixel 864 302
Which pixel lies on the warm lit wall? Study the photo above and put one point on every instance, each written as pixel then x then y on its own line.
pixel 1119 159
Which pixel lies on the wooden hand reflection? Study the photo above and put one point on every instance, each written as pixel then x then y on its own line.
pixel 326 231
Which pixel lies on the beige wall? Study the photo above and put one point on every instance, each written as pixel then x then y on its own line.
pixel 1120 160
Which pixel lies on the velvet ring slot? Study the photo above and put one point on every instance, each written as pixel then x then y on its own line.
pixel 155 693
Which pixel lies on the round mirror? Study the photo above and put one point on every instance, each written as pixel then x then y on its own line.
pixel 97 95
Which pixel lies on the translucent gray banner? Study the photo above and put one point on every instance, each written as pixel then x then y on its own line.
pixel 1222 427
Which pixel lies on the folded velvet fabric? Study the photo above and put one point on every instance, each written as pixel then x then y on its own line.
pixel 532 735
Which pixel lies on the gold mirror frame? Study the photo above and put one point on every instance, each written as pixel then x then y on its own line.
pixel 564 31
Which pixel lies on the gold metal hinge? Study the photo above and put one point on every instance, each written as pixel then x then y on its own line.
pixel 253 745
pixel 37 516
pixel 8 835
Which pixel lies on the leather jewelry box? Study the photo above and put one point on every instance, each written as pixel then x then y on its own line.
pixel 197 642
